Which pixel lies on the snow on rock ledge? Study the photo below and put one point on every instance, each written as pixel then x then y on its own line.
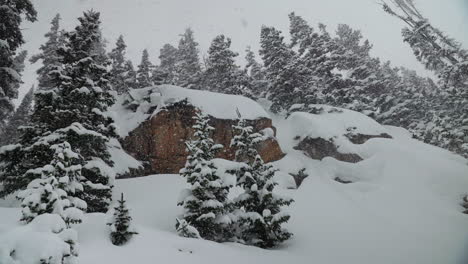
pixel 155 122
pixel 149 101
pixel 333 132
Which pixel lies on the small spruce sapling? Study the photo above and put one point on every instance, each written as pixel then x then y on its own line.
pixel 299 176
pixel 120 224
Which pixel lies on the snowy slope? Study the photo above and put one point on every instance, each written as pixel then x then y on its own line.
pixel 402 207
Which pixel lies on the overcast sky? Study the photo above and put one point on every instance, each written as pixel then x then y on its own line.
pixel 152 23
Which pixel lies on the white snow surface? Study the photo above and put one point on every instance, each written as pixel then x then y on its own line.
pixel 402 207
pixel 218 105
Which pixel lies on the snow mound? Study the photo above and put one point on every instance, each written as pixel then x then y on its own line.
pixel 332 123
pixel 151 100
pixel 43 239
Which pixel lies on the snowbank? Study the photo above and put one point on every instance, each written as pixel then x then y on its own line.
pixel 43 239
pixel 149 101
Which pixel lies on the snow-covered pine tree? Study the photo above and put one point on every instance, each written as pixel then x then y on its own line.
pixel 168 56
pixel 11 38
pixel 18 67
pixel 50 59
pixel 205 202
pixel 121 224
pixel 120 71
pixel 256 74
pixel 222 74
pixel 83 90
pixel 73 112
pixel 260 216
pixel 57 189
pixel 187 67
pixel 282 69
pixel 20 118
pixel 143 74
pixel 130 75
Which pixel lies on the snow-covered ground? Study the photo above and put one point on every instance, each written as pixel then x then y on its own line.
pixel 402 207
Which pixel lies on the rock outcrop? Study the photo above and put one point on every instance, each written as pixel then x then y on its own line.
pixel 159 141
pixel 319 148
pixel 325 131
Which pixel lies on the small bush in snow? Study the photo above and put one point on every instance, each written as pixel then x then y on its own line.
pixel 184 229
pixel 120 224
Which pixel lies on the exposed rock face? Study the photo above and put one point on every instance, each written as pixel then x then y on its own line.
pixel 160 141
pixel 361 138
pixel 319 148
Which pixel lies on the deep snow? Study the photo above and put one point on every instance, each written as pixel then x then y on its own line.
pixel 402 207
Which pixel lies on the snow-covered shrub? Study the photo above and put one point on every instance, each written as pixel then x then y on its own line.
pixel 120 224
pixel 56 189
pixel 45 240
pixel 184 229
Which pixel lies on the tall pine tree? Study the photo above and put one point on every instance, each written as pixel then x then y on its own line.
pixel 73 112
pixel 48 55
pixel 222 74
pixel 206 205
pixel 120 71
pixel 143 74
pixel 20 118
pixel 187 68
pixel 11 38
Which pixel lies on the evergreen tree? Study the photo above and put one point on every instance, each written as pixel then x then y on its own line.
pixel 20 118
pixel 120 224
pixel 168 57
pixel 282 69
pixel 11 38
pixel 256 74
pixel 187 67
pixel 49 56
pixel 206 206
pixel 56 191
pixel 71 112
pixel 222 74
pixel 120 71
pixel 143 74
pixel 130 75
pixel 260 216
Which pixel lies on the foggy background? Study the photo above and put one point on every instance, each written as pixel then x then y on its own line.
pixel 152 23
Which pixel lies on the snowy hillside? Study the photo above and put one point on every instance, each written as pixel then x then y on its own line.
pixel 402 207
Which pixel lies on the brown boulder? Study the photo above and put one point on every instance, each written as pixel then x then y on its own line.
pixel 160 140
